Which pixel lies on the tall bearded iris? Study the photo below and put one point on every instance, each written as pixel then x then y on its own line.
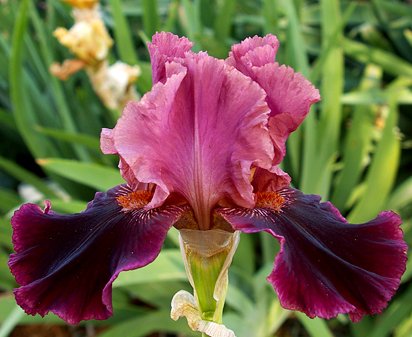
pixel 200 152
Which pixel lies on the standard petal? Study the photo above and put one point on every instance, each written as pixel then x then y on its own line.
pixel 198 134
pixel 289 94
pixel 327 266
pixel 253 52
pixel 166 47
pixel 270 180
pixel 66 264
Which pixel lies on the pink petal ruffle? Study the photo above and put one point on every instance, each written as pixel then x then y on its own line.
pixel 289 94
pixel 196 134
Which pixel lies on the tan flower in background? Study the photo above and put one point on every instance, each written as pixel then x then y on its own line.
pixel 90 42
pixel 82 3
pixel 114 83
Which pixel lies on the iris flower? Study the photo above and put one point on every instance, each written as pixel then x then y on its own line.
pixel 201 151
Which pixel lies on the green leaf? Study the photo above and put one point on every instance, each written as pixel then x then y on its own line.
pixel 94 175
pixel 7 119
pixel 167 267
pixel 150 17
pixel 223 19
pixel 367 54
pixel 123 36
pixel 382 172
pixel 357 143
pixel 5 232
pixel 71 137
pixel 70 206
pixel 297 58
pixel 11 321
pixel 22 174
pixel 56 87
pixel 390 319
pixel 8 200
pixel 23 112
pixel 145 325
pixel 191 20
pixel 402 196
pixel 316 327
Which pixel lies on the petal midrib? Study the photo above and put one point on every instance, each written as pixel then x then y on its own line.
pixel 200 208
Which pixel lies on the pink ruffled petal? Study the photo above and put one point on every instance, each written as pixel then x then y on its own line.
pixel 198 134
pixel 253 52
pixel 66 264
pixel 270 180
pixel 327 266
pixel 289 94
pixel 166 47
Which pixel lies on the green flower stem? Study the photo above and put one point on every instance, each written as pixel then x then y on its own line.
pixel 207 256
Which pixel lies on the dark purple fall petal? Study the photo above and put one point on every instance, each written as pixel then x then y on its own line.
pixel 66 264
pixel 327 266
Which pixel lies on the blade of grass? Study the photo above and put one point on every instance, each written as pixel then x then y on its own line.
pixel 71 137
pixel 223 19
pixel 366 54
pixel 382 171
pixel 89 174
pixel 22 174
pixel 402 196
pixel 23 113
pixel 149 323
pixel 8 200
pixel 150 17
pixel 398 310
pixel 332 42
pixel 191 21
pixel 122 34
pixel 171 19
pixel 316 175
pixel 55 85
pixel 6 119
pixel 270 10
pixel 11 321
pixel 168 266
pixel 297 58
pixel 357 142
pixel 315 327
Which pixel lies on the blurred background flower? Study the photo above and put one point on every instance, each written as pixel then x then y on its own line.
pixel 90 42
pixel 354 148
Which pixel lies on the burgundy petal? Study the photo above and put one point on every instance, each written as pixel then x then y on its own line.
pixel 66 264
pixel 326 266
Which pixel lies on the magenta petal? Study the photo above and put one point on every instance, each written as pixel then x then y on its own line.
pixel 66 264
pixel 289 94
pixel 198 134
pixel 166 47
pixel 327 266
pixel 253 51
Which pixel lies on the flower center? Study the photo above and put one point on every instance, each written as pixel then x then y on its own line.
pixel 270 200
pixel 134 200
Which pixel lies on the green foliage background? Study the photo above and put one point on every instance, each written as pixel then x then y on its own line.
pixel 354 148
